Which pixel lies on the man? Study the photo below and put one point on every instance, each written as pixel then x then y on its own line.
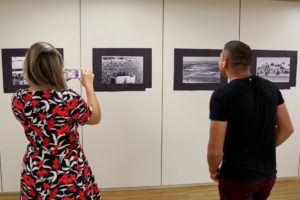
pixel 248 120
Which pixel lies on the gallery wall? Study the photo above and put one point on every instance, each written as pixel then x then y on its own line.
pixel 191 25
pixel 275 25
pixel 23 23
pixel 159 136
pixel 125 149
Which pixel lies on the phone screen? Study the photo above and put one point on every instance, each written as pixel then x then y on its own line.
pixel 74 73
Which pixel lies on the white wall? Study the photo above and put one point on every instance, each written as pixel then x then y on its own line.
pixel 0 174
pixel 125 149
pixel 158 136
pixel 275 25
pixel 23 23
pixel 194 24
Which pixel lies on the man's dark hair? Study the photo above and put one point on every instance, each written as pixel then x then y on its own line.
pixel 238 54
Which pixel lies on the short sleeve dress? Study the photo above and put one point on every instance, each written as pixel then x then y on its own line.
pixel 54 165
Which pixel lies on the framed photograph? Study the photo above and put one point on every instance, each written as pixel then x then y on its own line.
pixel 279 67
pixel 197 69
pixel 12 69
pixel 122 69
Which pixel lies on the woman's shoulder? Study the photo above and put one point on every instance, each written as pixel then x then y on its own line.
pixel 45 93
pixel 18 96
pixel 70 92
pixel 19 93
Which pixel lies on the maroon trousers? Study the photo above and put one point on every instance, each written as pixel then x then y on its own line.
pixel 258 189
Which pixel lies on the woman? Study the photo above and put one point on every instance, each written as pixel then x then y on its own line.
pixel 54 165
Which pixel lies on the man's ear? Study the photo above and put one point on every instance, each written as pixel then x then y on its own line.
pixel 225 63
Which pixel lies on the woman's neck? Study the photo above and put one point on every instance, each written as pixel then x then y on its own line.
pixel 32 89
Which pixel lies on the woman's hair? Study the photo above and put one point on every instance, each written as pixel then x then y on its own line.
pixel 43 67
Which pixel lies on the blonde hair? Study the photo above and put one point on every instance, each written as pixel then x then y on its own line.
pixel 43 67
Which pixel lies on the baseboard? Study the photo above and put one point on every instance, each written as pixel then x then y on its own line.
pixel 181 185
pixel 163 186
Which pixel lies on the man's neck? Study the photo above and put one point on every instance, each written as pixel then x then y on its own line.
pixel 238 74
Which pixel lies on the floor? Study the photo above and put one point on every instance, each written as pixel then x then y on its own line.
pixel 287 189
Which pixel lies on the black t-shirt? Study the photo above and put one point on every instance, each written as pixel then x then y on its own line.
pixel 249 105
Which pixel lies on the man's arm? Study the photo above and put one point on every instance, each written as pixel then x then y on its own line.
pixel 284 125
pixel 215 147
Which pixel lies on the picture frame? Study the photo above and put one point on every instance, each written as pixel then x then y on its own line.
pixel 122 69
pixel 12 69
pixel 197 69
pixel 279 67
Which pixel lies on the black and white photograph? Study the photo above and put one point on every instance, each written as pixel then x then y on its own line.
pixel 279 67
pixel 12 69
pixel 17 71
pixel 273 69
pixel 197 69
pixel 201 70
pixel 122 69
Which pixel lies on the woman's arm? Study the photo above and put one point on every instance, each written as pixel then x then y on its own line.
pixel 87 80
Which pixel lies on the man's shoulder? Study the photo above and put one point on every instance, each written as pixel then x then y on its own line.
pixel 220 92
pixel 266 83
pixel 224 89
pixel 263 80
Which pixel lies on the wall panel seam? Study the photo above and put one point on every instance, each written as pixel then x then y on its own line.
pixel 1 188
pixel 299 165
pixel 240 19
pixel 80 60
pixel 162 91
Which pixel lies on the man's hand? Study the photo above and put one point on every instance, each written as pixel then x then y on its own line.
pixel 215 175
pixel 284 124
pixel 215 147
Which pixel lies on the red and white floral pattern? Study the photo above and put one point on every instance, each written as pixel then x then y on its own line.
pixel 54 165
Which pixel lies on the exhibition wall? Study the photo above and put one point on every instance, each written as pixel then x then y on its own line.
pixel 191 25
pixel 129 136
pixel 158 136
pixel 23 23
pixel 275 25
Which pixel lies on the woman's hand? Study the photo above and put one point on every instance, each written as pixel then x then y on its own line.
pixel 87 78
pixel 65 70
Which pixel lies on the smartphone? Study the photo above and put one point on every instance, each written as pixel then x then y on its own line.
pixel 73 74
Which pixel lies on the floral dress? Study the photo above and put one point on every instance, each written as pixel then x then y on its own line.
pixel 54 165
